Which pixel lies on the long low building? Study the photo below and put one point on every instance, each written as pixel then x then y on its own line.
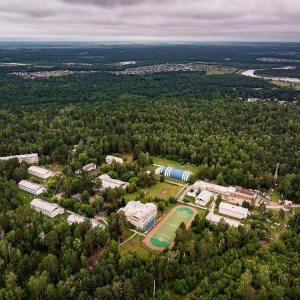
pixel 108 182
pixel 216 219
pixel 40 172
pixel 48 209
pixel 233 210
pixel 139 214
pixel 237 192
pixel 31 158
pixel 175 173
pixel 242 193
pixel 80 219
pixel 31 187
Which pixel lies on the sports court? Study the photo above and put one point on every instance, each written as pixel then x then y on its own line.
pixel 163 234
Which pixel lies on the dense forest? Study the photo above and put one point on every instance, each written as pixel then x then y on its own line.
pixel 188 117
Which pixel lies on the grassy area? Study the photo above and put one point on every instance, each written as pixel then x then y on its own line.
pixel 161 189
pixel 296 209
pixel 166 162
pixel 128 156
pixel 28 197
pixel 136 245
pixel 275 196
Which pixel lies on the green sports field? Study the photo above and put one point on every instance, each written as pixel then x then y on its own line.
pixel 165 235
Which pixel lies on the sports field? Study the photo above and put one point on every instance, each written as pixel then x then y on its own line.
pixel 163 234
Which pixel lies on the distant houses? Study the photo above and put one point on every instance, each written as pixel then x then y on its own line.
pixel 49 209
pixel 140 215
pixel 31 187
pixel 28 158
pixel 40 172
pixel 110 159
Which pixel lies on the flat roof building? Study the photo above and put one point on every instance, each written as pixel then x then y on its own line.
pixel 110 159
pixel 244 194
pixel 203 198
pixel 31 187
pixel 139 214
pixel 40 172
pixel 46 208
pixel 28 158
pixel 175 173
pixel 108 182
pixel 75 219
pixel 208 186
pixel 233 210
pixel 216 219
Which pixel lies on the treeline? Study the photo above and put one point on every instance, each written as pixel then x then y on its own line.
pixel 237 142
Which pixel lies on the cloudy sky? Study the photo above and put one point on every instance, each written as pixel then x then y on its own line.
pixel 150 20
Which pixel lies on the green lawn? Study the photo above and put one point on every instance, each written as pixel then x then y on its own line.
pixel 27 197
pixel 161 189
pixel 136 245
pixel 275 196
pixel 166 162
pixel 165 235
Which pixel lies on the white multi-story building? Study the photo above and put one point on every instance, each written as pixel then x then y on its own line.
pixel 46 208
pixel 28 158
pixel 109 159
pixel 203 198
pixel 139 214
pixel 40 172
pixel 108 182
pixel 233 210
pixel 31 187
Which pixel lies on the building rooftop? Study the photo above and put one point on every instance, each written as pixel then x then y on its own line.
pixel 75 219
pixel 30 185
pixel 108 182
pixel 231 207
pixel 241 190
pixel 216 219
pixel 46 206
pixel 39 170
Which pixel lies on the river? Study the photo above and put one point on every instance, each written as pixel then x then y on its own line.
pixel 287 79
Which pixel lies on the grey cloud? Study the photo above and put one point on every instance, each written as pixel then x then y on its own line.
pixel 107 3
pixel 151 19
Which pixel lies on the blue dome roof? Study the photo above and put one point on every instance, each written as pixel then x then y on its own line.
pixel 176 173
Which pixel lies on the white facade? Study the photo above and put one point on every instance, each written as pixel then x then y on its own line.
pixel 109 159
pixel 40 172
pixel 139 214
pixel 28 158
pixel 233 210
pixel 31 187
pixel 203 198
pixel 90 167
pixel 108 182
pixel 48 209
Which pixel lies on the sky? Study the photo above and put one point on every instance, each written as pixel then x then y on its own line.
pixel 150 20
